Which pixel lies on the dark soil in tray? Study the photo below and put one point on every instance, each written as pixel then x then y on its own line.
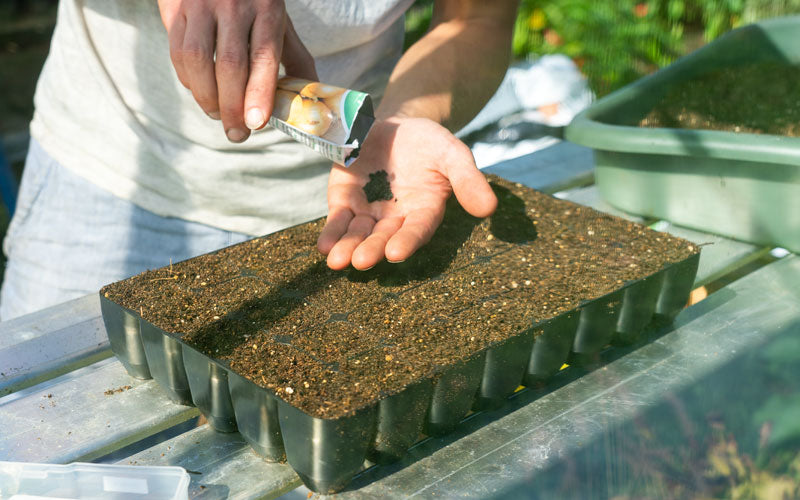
pixel 331 342
pixel 761 98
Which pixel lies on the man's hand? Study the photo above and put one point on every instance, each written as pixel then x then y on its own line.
pixel 441 81
pixel 425 163
pixel 227 53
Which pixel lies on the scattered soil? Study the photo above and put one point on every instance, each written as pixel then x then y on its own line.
pixel 761 98
pixel 331 342
pixel 111 392
pixel 50 397
pixel 378 187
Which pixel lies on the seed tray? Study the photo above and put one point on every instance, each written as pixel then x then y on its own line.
pixel 326 450
pixel 742 185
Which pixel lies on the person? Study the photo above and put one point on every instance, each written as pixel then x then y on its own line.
pixel 150 145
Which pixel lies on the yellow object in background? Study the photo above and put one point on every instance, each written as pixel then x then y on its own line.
pixel 537 20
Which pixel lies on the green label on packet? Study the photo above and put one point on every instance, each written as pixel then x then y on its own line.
pixel 331 120
pixel 352 104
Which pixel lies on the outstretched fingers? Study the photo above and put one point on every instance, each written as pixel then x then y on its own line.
pixel 358 230
pixel 335 227
pixel 417 229
pixel 373 249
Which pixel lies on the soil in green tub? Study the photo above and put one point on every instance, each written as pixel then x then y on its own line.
pixel 761 98
pixel 331 342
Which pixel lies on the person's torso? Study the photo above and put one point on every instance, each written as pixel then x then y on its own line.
pixel 109 107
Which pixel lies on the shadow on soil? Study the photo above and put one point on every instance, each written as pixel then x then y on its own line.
pixel 510 223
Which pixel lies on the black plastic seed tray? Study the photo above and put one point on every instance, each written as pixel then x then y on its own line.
pixel 326 453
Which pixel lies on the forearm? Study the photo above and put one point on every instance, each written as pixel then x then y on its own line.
pixel 451 72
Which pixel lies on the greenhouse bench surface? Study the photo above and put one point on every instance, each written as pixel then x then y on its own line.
pixel 64 397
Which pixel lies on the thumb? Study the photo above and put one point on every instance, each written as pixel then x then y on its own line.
pixel 296 58
pixel 469 185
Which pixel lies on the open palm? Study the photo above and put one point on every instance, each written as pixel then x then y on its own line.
pixel 424 164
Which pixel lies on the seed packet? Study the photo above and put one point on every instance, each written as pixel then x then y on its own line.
pixel 331 120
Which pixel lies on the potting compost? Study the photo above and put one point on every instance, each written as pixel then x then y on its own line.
pixel 331 342
pixel 719 151
pixel 330 367
pixel 756 98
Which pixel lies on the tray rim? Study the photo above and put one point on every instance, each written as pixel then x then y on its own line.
pixel 439 369
pixel 588 129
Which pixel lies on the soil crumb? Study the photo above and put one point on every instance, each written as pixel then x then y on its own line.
pixel 111 392
pixel 378 187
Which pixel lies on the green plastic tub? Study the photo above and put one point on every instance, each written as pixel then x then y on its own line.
pixel 745 186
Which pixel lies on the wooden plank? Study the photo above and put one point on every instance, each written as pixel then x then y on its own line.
pixel 510 450
pixel 719 256
pixel 51 342
pixel 561 166
pixel 76 418
pixel 222 465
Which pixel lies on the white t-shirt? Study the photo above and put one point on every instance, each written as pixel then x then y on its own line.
pixel 110 108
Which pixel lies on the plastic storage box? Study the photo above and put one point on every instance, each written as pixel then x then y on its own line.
pixel 745 186
pixel 28 481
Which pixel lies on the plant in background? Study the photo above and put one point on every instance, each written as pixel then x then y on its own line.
pixel 613 42
pixel 715 17
pixel 418 18
pixel 617 41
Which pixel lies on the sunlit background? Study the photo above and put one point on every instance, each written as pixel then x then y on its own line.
pixel 617 41
pixel 613 42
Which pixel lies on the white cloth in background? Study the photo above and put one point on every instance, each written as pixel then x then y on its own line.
pixel 549 90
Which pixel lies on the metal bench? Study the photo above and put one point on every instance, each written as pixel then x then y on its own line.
pixel 62 401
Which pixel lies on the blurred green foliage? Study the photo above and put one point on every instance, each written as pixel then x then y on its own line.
pixel 617 41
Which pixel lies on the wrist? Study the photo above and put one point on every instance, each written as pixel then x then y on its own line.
pixel 392 114
pixel 429 107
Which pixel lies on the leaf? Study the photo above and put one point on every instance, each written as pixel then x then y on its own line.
pixel 719 464
pixel 784 413
pixel 676 9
